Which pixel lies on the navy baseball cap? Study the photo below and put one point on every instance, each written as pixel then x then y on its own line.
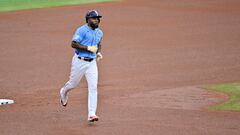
pixel 93 14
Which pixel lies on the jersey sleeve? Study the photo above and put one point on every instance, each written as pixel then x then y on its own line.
pixel 78 36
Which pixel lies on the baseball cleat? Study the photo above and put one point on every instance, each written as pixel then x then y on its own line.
pixel 63 98
pixel 93 118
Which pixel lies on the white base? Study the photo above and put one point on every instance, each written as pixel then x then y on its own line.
pixel 6 101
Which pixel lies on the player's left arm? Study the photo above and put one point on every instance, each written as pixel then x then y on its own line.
pixel 99 55
pixel 99 47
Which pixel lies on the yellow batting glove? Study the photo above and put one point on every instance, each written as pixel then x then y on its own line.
pixel 92 49
pixel 99 56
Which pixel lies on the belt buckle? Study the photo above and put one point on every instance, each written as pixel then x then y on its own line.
pixel 82 58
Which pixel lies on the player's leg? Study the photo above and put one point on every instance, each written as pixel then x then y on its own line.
pixel 92 80
pixel 78 69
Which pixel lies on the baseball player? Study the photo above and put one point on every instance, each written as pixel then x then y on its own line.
pixel 87 44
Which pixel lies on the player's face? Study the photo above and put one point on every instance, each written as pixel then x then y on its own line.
pixel 93 22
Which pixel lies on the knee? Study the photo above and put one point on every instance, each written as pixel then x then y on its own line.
pixel 71 85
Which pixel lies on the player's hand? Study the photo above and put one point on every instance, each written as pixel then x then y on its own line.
pixel 92 49
pixel 99 56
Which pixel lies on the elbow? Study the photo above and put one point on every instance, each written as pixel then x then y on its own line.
pixel 73 45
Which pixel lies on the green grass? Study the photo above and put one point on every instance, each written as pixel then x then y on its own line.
pixel 14 5
pixel 233 91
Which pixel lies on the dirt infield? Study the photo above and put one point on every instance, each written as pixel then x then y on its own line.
pixel 157 57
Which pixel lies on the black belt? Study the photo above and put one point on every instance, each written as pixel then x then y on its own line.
pixel 86 59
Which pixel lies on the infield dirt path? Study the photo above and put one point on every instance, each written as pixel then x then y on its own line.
pixel 157 57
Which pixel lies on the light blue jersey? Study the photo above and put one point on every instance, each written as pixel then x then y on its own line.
pixel 87 37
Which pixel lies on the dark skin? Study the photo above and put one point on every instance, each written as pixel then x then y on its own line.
pixel 82 47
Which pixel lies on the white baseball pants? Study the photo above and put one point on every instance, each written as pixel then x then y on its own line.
pixel 89 69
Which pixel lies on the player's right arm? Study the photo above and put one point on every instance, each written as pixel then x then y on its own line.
pixel 77 38
pixel 77 45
